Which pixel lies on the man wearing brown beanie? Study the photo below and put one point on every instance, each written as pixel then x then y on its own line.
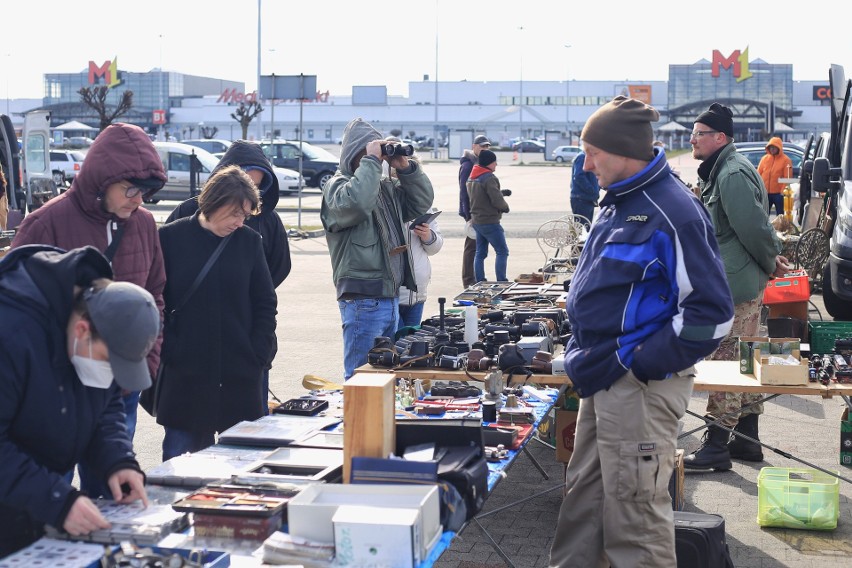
pixel 736 198
pixel 640 321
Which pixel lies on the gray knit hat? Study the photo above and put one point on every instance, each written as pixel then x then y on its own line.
pixel 623 127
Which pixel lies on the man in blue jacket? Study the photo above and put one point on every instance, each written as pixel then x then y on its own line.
pixel 648 300
pixel 585 190
pixel 67 331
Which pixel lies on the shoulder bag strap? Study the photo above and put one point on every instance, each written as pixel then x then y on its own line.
pixel 202 274
pixel 109 253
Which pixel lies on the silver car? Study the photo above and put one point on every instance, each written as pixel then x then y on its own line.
pixel 176 160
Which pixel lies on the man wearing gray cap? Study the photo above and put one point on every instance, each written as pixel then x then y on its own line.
pixel 71 340
pixel 466 162
pixel 648 300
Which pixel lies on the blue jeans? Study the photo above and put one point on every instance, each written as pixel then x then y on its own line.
pixel 410 316
pixel 776 199
pixel 364 320
pixel 91 482
pixel 494 235
pixel 177 442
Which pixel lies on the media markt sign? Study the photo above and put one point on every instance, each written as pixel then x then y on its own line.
pixel 737 62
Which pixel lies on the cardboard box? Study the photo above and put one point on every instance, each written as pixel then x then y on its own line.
pixel 376 536
pixel 677 481
pixel 566 426
pixel 769 374
pixel 846 439
pixel 310 513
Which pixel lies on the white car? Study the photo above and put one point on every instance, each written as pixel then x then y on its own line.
pixel 65 163
pixel 176 160
pixel 565 153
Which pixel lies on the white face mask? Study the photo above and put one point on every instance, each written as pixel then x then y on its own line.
pixel 92 373
pixel 385 169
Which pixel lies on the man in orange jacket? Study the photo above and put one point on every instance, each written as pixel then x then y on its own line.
pixel 774 165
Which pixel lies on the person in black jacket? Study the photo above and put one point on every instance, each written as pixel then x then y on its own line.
pixel 218 340
pixel 276 248
pixel 70 340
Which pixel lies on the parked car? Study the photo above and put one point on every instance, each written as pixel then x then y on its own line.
pixel 754 151
pixel 831 173
pixel 565 153
pixel 79 141
pixel 528 146
pixel 212 145
pixel 65 164
pixel 318 164
pixel 176 160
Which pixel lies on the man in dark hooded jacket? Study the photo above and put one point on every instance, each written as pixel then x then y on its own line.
pixel 71 339
pixel 276 248
pixel 250 157
pixel 364 215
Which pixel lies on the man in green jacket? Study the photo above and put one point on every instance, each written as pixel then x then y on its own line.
pixel 364 215
pixel 736 199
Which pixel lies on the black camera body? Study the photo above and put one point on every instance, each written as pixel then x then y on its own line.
pixel 397 150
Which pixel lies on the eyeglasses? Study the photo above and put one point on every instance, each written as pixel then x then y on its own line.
pixel 131 191
pixel 696 134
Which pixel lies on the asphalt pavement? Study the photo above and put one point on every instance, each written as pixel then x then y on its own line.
pixel 309 342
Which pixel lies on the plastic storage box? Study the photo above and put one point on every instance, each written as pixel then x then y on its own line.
pixel 797 498
pixel 823 334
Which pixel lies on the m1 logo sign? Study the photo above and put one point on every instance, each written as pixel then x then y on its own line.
pixel 159 116
pixel 108 72
pixel 737 61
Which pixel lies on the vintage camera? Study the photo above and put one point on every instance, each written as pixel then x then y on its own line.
pixel 383 353
pixel 397 150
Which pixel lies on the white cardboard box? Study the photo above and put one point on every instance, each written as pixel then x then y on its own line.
pixel 310 512
pixel 377 536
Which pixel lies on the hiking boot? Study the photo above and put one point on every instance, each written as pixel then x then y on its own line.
pixel 742 449
pixel 713 453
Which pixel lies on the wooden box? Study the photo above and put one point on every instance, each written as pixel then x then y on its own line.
pixel 369 425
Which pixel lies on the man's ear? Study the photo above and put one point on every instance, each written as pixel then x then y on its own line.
pixel 81 328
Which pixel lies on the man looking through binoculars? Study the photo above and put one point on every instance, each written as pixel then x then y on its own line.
pixel 364 214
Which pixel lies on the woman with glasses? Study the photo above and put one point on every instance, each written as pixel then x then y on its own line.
pixel 219 335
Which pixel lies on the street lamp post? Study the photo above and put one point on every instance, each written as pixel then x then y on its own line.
pixel 521 102
pixel 160 102
pixel 568 96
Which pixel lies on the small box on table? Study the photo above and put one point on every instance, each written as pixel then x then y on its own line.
pixel 374 536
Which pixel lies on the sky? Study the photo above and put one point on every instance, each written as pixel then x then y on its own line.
pixel 353 42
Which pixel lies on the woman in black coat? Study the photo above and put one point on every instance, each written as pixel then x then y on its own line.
pixel 220 339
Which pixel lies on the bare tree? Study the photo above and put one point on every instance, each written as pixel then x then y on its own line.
pixel 245 113
pixel 95 98
pixel 208 132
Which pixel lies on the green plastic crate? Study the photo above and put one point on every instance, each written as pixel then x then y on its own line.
pixel 823 334
pixel 797 498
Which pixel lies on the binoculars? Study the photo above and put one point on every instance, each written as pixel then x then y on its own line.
pixel 397 150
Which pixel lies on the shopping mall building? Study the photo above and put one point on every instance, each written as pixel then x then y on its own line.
pixel 763 96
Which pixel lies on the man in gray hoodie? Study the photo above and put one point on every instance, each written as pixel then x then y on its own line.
pixel 363 214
